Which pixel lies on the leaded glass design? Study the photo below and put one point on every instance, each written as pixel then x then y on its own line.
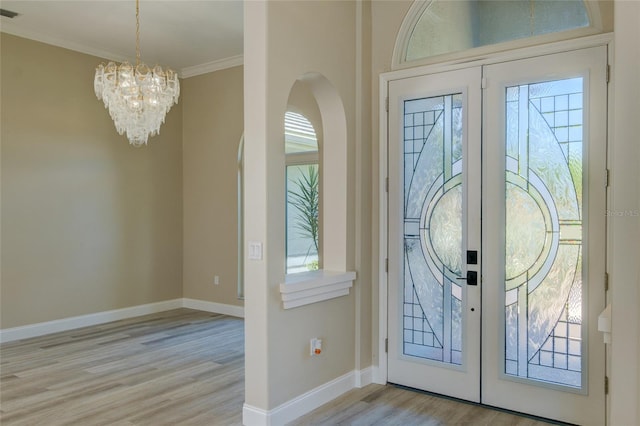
pixel 543 247
pixel 432 166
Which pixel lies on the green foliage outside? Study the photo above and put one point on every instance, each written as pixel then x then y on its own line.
pixel 305 198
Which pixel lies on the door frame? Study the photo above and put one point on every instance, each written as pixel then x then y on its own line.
pixel 381 328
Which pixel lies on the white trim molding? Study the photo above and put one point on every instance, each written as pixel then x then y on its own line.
pixel 13 29
pixel 254 416
pixel 305 403
pixel 72 323
pixel 364 377
pixel 314 286
pixel 212 66
pixel 218 308
pixel 379 374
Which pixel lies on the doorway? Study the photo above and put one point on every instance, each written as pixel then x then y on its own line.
pixel 496 231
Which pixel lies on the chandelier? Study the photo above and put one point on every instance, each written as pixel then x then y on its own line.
pixel 138 98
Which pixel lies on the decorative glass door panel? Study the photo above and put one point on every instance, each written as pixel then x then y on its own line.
pixel 543 255
pixel 433 228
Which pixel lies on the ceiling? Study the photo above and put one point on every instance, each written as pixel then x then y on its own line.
pixel 191 37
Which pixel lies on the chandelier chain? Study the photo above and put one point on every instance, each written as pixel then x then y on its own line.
pixel 137 32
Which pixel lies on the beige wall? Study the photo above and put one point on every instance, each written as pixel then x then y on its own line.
pixel 212 127
pixel 89 223
pixel 625 229
pixel 284 41
pixel 386 19
pixel 364 208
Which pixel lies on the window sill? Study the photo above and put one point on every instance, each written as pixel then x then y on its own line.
pixel 305 288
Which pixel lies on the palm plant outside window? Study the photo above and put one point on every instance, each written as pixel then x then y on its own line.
pixel 303 194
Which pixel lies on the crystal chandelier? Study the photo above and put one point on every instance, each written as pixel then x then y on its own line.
pixel 138 98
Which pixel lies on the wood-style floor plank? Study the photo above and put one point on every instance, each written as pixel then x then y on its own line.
pixel 162 369
pixel 379 405
pixel 181 367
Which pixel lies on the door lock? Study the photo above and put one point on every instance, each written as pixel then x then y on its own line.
pixel 471 278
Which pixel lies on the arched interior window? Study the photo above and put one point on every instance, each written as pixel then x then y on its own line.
pixel 444 26
pixel 303 194
pixel 314 140
pixel 299 134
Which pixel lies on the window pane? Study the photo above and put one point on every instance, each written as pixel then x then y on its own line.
pixel 453 26
pixel 302 218
pixel 299 134
pixel 433 297
pixel 543 253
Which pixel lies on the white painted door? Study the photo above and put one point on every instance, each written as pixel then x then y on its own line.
pixel 434 218
pixel 534 187
pixel 545 200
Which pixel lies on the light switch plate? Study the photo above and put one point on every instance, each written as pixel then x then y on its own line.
pixel 255 250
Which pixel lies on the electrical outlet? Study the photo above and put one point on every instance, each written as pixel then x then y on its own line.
pixel 315 346
pixel 216 280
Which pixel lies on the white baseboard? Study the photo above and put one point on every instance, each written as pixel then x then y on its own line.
pixel 307 402
pixel 65 324
pixel 364 377
pixel 379 375
pixel 218 308
pixel 253 416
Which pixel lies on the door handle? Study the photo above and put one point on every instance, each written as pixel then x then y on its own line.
pixel 471 278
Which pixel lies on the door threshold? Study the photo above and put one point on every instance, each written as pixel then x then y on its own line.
pixel 477 404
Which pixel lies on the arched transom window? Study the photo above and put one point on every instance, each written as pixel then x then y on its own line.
pixel 440 27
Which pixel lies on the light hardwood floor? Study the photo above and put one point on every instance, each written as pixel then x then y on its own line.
pixel 178 367
pixel 181 367
pixel 394 406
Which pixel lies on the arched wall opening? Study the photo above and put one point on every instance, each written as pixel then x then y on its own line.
pixel 331 279
pixel 333 159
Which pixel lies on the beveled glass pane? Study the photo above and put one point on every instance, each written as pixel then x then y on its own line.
pixel 543 243
pixel 432 163
pixel 525 232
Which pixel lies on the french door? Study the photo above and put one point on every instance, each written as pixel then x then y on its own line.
pixel 497 234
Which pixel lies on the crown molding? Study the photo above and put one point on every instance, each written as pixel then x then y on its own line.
pixel 187 72
pixel 212 66
pixel 58 42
